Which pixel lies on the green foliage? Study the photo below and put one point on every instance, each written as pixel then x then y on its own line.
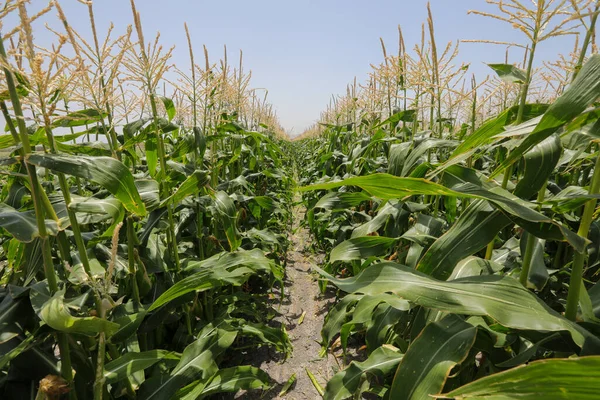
pixel 424 245
pixel 174 275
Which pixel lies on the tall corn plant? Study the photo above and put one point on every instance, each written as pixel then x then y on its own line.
pixel 440 312
pixel 124 270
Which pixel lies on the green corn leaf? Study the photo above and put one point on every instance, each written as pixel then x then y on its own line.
pixel 219 270
pixel 192 185
pixel 169 107
pixel 509 73
pixel 105 171
pixel 492 127
pixel 501 298
pixel 197 363
pixel 430 358
pixel 55 313
pixel 227 214
pixel 227 380
pixel 346 383
pixel 584 90
pixel 361 247
pixel 552 379
pixel 130 363
pixel 391 187
pixel 23 225
pixel 79 118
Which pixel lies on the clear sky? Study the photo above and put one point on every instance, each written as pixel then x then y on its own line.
pixel 303 51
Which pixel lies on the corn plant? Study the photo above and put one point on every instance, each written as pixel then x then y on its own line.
pixel 142 220
pixel 461 230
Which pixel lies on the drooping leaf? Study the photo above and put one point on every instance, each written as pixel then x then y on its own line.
pixel 394 119
pixel 105 171
pixel 132 128
pixel 288 385
pixel 379 330
pixel 538 272
pixel 479 223
pixel 397 157
pixel 392 213
pixel 501 298
pixel 361 247
pixel 23 224
pixel 55 313
pixel 149 192
pixel 96 149
pixel 336 318
pixel 219 270
pixel 415 155
pixel 390 187
pixel 374 314
pixel 91 210
pixel 340 201
pixel 151 152
pixel 275 337
pixel 540 162
pixel 386 186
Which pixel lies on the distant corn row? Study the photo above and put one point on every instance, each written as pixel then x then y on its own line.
pixel 430 80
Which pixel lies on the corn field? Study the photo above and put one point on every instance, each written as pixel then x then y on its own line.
pixel 148 212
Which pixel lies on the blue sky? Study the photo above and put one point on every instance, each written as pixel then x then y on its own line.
pixel 304 51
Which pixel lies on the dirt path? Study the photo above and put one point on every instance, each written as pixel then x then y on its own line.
pixel 302 295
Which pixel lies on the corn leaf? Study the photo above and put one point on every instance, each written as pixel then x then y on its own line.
pixel 113 175
pixel 553 379
pixel 501 298
pixel 423 372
